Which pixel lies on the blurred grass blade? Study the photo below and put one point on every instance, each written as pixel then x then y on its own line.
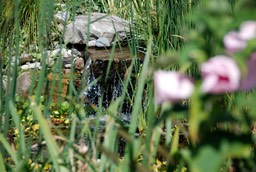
pixel 110 60
pixel 175 141
pixel 155 139
pixel 17 122
pixel 196 115
pixel 50 141
pixel 139 92
pixel 2 166
pixel 9 149
pixel 109 143
pixel 150 126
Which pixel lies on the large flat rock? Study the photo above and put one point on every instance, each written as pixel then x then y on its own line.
pixel 100 24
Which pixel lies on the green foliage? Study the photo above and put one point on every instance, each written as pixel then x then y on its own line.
pixel 215 148
pixel 204 133
pixel 162 20
pixel 214 119
pixel 32 17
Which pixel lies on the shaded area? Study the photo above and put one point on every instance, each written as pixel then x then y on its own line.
pixel 110 83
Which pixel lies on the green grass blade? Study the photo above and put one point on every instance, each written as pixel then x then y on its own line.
pixel 9 149
pixel 17 122
pixel 50 141
pixel 150 127
pixel 139 93
pixel 2 166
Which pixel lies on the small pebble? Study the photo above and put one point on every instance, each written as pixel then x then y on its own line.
pixel 79 63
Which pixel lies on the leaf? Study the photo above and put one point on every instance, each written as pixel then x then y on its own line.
pixel 208 159
pixel 35 127
pixel 214 149
pixel 64 106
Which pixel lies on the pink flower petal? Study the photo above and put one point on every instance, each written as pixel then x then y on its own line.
pixel 237 41
pixel 171 86
pixel 233 42
pixel 248 30
pixel 220 74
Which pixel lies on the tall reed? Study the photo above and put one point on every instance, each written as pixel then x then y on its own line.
pixel 156 26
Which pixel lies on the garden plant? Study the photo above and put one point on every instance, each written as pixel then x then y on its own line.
pixel 193 99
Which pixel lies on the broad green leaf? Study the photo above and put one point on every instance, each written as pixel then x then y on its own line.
pixel 215 149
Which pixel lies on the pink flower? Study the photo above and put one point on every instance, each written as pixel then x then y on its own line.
pixel 249 82
pixel 233 42
pixel 220 74
pixel 248 30
pixel 171 86
pixel 237 41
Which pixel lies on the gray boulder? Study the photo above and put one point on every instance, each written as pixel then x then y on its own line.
pixel 24 82
pixel 101 25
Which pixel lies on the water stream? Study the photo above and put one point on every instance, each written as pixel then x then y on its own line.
pixel 101 91
pixel 108 89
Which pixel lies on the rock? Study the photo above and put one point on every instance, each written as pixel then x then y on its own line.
pixel 66 61
pixel 25 58
pixel 75 52
pixel 23 84
pixel 50 61
pixel 101 25
pixel 62 16
pixel 55 52
pixel 33 48
pixel 57 46
pixel 47 53
pixel 92 43
pixel 79 63
pixel 102 42
pixel 56 93
pixel 120 61
pixel 67 66
pixel 60 27
pixel 31 66
pixel 63 52
pixel 66 71
pixel 69 53
pixel 4 83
